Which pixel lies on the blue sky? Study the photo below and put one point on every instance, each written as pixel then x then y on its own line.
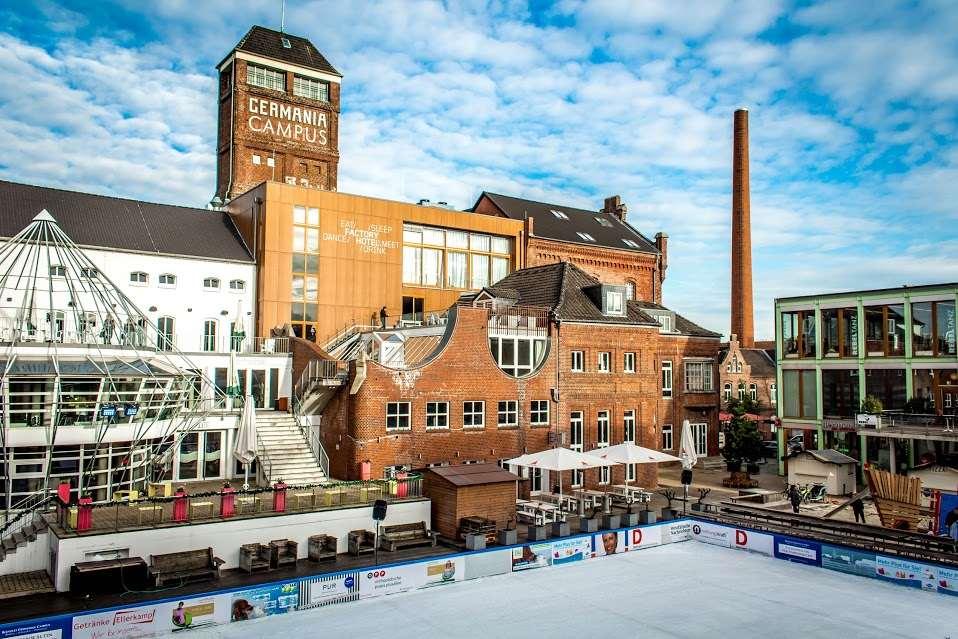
pixel 854 112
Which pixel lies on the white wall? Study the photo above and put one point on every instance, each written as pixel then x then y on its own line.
pixel 32 556
pixel 226 537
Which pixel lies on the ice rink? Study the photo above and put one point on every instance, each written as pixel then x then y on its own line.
pixel 679 590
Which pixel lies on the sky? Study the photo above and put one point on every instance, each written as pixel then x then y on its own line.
pixel 853 118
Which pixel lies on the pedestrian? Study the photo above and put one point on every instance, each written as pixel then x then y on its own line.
pixel 794 497
pixel 858 507
pixel 382 317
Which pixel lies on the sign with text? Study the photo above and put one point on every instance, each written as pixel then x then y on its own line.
pixel 644 537
pixel 569 550
pixel 849 560
pixel 149 620
pixel 37 630
pixel 907 573
pixel 531 556
pixel 799 551
pixel 295 123
pixel 271 599
pixel 712 534
pixel 372 239
pixel 329 589
pixel 677 531
pixel 393 579
pixel 753 542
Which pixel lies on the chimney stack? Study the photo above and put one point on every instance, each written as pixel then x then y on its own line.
pixel 615 206
pixel 742 312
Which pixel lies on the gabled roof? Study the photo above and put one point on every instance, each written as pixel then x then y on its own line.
pixel 115 223
pixel 269 44
pixel 829 456
pixel 610 233
pixel 474 474
pixel 683 325
pixel 760 361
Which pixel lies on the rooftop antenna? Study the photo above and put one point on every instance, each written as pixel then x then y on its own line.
pixel 282 20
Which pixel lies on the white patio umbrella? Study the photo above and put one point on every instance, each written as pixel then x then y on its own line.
pixel 688 455
pixel 244 446
pixel 560 459
pixel 630 453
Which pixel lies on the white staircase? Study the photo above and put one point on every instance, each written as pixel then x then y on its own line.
pixel 283 450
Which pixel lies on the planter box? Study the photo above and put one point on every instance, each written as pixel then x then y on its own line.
pixel 588 525
pixel 508 537
pixel 537 533
pixel 647 517
pixel 610 521
pixel 667 514
pixel 475 542
pixel 629 519
pixel 698 508
pixel 560 529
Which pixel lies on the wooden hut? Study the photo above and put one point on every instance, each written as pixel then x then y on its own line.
pixel 471 490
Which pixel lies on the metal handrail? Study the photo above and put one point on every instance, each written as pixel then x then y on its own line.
pixel 312 434
pixel 14 522
pixel 319 369
pixel 265 465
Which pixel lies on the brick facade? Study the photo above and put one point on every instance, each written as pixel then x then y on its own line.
pixel 742 312
pixel 741 367
pixel 312 162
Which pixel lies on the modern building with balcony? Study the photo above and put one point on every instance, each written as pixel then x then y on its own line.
pixel 895 345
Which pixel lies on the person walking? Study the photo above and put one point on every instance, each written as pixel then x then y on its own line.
pixel 794 497
pixel 858 507
pixel 382 317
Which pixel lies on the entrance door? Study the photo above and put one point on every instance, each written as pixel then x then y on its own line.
pixel 412 310
pixel 700 437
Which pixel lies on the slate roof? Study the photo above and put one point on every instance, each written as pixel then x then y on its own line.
pixel 474 474
pixel 269 44
pixel 830 456
pixel 761 362
pixel 111 222
pixel 547 225
pixel 683 325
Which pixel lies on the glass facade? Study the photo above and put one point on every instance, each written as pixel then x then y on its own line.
pixel 840 332
pixel 839 393
pixel 304 291
pixel 448 258
pixel 933 329
pixel 888 385
pixel 799 394
pixel 798 333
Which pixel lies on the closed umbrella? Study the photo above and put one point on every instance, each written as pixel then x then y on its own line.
pixel 238 329
pixel 244 446
pixel 688 455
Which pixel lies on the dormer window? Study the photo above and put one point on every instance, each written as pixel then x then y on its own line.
pixel 666 321
pixel 559 214
pixel 585 236
pixel 614 303
pixel 630 243
pixel 603 222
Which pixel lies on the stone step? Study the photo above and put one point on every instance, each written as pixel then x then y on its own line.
pixel 9 545
pixel 19 539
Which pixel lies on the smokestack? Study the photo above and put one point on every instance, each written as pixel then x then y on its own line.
pixel 742 312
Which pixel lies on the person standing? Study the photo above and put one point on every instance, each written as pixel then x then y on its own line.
pixel 858 507
pixel 382 317
pixel 794 497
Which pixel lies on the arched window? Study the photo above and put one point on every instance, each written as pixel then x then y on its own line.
pixel 58 271
pixel 728 391
pixel 139 278
pixel 237 285
pixel 211 283
pixel 209 335
pixel 630 290
pixel 772 394
pixel 753 392
pixel 741 391
pixel 167 280
pixel 164 333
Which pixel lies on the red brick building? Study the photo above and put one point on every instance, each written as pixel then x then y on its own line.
pixel 548 356
pixel 278 114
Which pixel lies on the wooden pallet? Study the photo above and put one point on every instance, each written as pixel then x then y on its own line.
pixel 897 499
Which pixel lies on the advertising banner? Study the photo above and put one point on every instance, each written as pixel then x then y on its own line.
pixel 570 550
pixel 712 534
pixel 907 573
pixel 36 629
pixel 849 560
pixel 798 550
pixel 948 515
pixel 948 581
pixel 531 556
pixel 271 599
pixel 676 531
pixel 148 620
pixel 486 564
pixel 322 591
pixel 753 542
pixel 608 543
pixel 425 574
pixel 638 538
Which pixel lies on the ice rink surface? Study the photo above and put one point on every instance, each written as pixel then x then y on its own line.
pixel 678 590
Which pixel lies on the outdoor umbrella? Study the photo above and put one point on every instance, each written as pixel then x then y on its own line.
pixel 688 455
pixel 244 447
pixel 630 453
pixel 558 460
pixel 238 329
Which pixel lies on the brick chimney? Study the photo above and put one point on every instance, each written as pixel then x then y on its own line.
pixel 741 302
pixel 615 206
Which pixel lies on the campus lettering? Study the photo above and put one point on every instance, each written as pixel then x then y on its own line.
pixel 300 124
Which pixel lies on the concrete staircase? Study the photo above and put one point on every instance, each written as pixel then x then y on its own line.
pixel 9 545
pixel 284 451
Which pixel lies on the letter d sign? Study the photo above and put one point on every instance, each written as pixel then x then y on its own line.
pixel 637 537
pixel 741 539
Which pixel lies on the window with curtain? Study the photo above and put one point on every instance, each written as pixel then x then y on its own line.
pixel 480 271
pixel 500 268
pixel 411 265
pixel 456 270
pixel 431 267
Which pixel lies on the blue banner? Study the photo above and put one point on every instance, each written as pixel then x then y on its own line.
pixel 849 560
pixel 53 628
pixel 800 551
pixel 948 516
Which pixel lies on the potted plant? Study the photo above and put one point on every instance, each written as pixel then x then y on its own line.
pixel 698 506
pixel 869 413
pixel 668 512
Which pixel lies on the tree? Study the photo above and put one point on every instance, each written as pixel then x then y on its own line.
pixel 743 441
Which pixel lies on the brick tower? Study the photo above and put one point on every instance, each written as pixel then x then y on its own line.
pixel 742 312
pixel 278 114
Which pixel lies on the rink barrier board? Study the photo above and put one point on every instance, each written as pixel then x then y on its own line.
pixel 174 614
pixel 928 576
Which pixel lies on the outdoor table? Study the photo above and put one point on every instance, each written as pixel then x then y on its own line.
pixel 196 505
pixel 592 498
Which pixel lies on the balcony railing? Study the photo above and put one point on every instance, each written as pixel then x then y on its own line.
pixel 519 320
pixel 321 371
pixel 919 423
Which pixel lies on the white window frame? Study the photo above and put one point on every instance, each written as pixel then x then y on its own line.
pixel 700 436
pixel 628 362
pixel 237 286
pixel 577 361
pixel 310 88
pixel 773 394
pixel 667 434
pixel 559 214
pixel 211 283
pixel 399 412
pixel 727 391
pixel 260 76
pixel 139 278
pixel 604 362
pixel 167 283
pixel 753 392
pixel 89 273
pixel 209 340
pixel 667 378
pixel 476 410
pixel 585 237
pixel 576 425
pixel 628 426
pixel 539 412
pixel 58 270
pixel 603 429
pixel 257 160
pixel 615 303
pixel 696 379
pixel 438 414
pixel 507 413
pixel 741 391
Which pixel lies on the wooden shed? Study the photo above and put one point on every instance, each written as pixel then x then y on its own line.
pixel 482 490
pixel 829 467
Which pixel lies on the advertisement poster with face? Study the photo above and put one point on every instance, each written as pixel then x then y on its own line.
pixel 753 542
pixel 799 551
pixel 907 573
pixel 712 534
pixel 608 543
pixel 196 613
pixel 390 580
pixel 639 538
pixel 569 550
pixel 531 556
pixel 847 560
pixel 274 599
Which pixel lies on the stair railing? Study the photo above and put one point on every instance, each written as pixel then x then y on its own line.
pixel 25 512
pixel 311 432
pixel 265 467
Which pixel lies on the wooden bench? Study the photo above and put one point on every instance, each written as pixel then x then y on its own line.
pixel 361 541
pixel 189 565
pixel 283 552
pixel 254 557
pixel 322 547
pixel 406 536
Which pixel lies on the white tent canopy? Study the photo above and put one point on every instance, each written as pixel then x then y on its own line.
pixel 630 453
pixel 560 459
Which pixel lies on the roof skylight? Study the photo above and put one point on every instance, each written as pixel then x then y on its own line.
pixel 286 43
pixel 602 221
pixel 559 214
pixel 585 236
